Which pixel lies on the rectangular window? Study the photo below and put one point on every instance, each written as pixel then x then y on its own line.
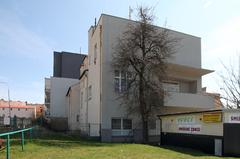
pixel 18 109
pixel 121 79
pixel 89 92
pixel 127 124
pixel 95 53
pixel 77 118
pixel 26 109
pixel 121 127
pixel 116 123
pixel 81 100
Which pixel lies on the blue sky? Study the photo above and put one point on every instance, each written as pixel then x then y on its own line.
pixel 31 30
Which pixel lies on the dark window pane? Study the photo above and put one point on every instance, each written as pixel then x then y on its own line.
pixel 116 84
pixel 127 124
pixel 116 73
pixel 116 123
pixel 123 84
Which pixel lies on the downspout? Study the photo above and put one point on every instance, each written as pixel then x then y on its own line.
pixel 100 83
pixel 160 131
pixel 87 104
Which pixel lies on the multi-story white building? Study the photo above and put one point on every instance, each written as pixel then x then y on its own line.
pixel 92 106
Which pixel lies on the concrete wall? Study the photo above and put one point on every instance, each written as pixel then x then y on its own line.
pixel 73 107
pixel 59 88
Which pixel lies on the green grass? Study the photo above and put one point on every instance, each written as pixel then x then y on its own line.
pixel 63 147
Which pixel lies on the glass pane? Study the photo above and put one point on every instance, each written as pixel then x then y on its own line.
pixel 123 84
pixel 116 84
pixel 116 73
pixel 127 124
pixel 116 123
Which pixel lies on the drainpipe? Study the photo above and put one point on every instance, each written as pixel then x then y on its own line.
pixel 160 129
pixel 100 82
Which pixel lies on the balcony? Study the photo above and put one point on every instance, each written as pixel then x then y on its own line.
pixel 174 99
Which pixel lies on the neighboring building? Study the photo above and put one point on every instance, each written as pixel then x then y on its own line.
pixel 47 92
pixel 67 64
pixel 18 109
pixel 66 73
pixel 92 106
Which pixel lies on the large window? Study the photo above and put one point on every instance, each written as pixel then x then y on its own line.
pixel 121 79
pixel 121 127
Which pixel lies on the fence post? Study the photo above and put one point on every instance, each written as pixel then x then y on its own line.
pixel 31 134
pixel 8 147
pixel 22 140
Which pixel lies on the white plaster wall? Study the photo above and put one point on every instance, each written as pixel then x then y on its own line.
pixel 59 88
pixel 189 100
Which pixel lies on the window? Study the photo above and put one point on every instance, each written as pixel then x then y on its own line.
pixel 121 79
pixel 89 92
pixel 3 108
pixel 26 109
pixel 81 100
pixel 95 53
pixel 18 109
pixel 11 109
pixel 77 118
pixel 121 127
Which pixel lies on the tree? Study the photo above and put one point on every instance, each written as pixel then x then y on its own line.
pixel 141 53
pixel 231 86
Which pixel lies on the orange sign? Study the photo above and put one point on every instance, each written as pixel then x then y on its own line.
pixel 213 117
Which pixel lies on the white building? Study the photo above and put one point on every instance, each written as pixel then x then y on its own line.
pixel 92 107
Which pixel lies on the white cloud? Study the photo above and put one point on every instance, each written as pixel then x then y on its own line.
pixel 221 45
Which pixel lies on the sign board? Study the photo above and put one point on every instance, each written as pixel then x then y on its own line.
pixel 234 118
pixel 189 129
pixel 212 117
pixel 185 120
pixel 6 121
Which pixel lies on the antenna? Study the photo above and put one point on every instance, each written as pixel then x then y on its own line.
pixel 130 12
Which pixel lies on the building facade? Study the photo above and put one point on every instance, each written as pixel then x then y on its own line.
pixel 92 106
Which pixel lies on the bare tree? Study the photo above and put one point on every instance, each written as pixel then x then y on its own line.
pixel 231 86
pixel 141 55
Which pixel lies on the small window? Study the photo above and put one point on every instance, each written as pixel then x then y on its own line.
pixel 127 124
pixel 18 109
pixel 116 123
pixel 89 92
pixel 26 109
pixel 95 53
pixel 11 109
pixel 77 118
pixel 3 108
pixel 81 100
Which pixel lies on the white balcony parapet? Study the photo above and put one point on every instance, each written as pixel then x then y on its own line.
pixel 175 99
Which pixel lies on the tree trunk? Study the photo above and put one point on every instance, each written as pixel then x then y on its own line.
pixel 143 110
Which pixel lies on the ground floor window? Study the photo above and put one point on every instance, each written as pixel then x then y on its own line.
pixel 121 127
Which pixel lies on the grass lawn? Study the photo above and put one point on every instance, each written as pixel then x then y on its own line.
pixel 61 147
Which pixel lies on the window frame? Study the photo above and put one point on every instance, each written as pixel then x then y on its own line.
pixel 122 131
